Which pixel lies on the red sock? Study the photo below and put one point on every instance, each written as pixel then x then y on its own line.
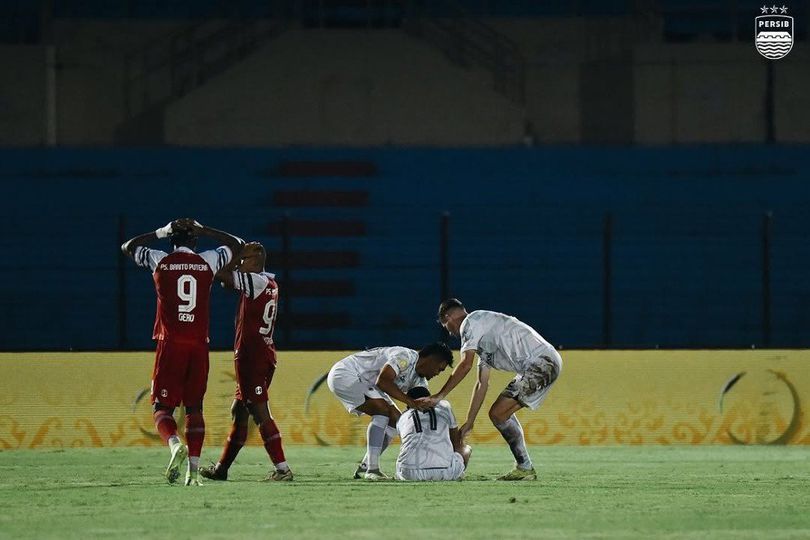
pixel 235 442
pixel 195 433
pixel 272 440
pixel 165 424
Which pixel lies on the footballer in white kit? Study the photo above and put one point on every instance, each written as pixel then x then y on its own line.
pixel 366 382
pixel 431 447
pixel 504 343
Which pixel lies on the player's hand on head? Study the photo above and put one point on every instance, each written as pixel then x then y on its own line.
pixel 426 403
pixel 183 224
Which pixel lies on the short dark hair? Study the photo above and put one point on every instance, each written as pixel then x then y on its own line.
pixel 447 305
pixel 418 392
pixel 183 237
pixel 438 349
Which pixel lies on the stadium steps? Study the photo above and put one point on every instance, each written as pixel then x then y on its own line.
pixel 329 189
pixel 166 69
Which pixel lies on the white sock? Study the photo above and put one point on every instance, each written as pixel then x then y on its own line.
pixel 173 441
pixel 512 432
pixel 390 433
pixel 282 466
pixel 193 463
pixel 375 435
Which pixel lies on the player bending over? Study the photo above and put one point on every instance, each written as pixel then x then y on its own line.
pixel 183 281
pixel 254 361
pixel 431 448
pixel 504 343
pixel 366 381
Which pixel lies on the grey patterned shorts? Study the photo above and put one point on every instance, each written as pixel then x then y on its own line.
pixel 530 388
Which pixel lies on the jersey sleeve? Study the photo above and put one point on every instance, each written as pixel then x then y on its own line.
pixel 398 358
pixel 447 411
pixel 250 284
pixel 148 258
pixel 217 258
pixel 469 334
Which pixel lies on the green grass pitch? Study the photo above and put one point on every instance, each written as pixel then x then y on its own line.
pixel 583 492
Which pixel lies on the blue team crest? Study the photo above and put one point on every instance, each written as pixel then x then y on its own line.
pixel 773 34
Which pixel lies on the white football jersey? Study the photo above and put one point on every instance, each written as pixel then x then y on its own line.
pixel 367 364
pixel 502 342
pixel 425 437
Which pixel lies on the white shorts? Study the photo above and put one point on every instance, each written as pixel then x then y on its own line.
pixel 454 472
pixel 531 388
pixel 350 390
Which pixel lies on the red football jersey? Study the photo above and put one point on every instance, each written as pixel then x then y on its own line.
pixel 256 314
pixel 183 282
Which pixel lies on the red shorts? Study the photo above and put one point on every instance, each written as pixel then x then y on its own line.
pixel 255 367
pixel 180 374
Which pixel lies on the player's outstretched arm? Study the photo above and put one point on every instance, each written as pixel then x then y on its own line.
pixel 476 399
pixel 128 247
pixel 456 377
pixel 385 382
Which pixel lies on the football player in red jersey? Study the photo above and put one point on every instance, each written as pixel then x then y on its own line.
pixel 255 362
pixel 183 281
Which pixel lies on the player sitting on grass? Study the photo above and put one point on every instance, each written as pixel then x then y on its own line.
pixel 254 362
pixel 183 281
pixel 366 381
pixel 504 343
pixel 431 447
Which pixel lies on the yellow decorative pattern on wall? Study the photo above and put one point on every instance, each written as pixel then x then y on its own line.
pixel 602 398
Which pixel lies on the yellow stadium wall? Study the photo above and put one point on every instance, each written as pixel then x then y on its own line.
pixel 602 398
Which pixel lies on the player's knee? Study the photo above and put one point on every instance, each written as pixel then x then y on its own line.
pixel 157 406
pixel 239 413
pixel 375 407
pixel 259 412
pixel 393 416
pixel 196 408
pixel 497 416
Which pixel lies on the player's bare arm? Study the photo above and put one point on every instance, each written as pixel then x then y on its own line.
pixel 476 399
pixel 128 247
pixel 251 260
pixel 456 377
pixel 225 276
pixel 385 382
pixel 233 242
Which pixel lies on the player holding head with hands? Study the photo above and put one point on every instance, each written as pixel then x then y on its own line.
pixel 507 344
pixel 254 362
pixel 182 280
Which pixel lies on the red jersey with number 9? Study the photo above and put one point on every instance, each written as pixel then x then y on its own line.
pixel 183 282
pixel 256 314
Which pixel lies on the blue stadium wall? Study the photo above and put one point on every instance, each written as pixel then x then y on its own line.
pixel 526 236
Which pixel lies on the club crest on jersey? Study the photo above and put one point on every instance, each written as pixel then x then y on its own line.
pixel 258 390
pixel 403 363
pixel 773 32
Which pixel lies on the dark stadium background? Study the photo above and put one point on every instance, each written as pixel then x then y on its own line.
pixel 615 173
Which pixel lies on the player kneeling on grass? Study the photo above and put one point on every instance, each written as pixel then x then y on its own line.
pixel 366 381
pixel 183 281
pixel 503 343
pixel 431 447
pixel 254 361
